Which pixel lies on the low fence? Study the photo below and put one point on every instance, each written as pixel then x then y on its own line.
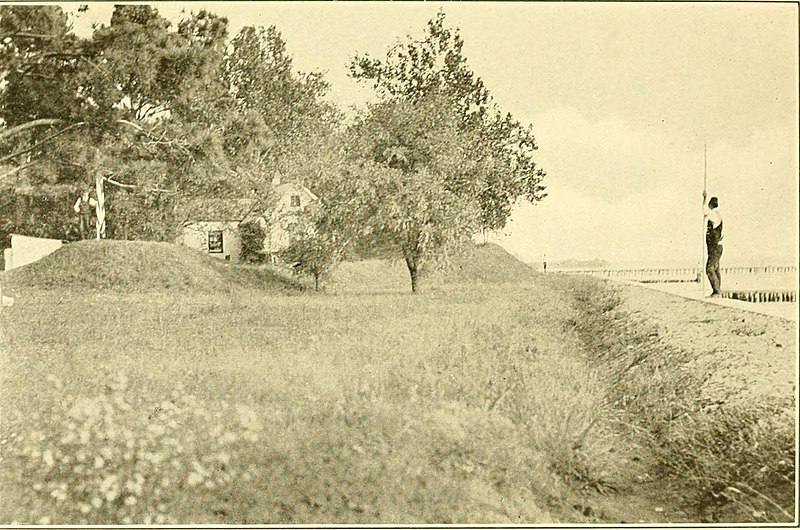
pixel 641 275
pixel 680 274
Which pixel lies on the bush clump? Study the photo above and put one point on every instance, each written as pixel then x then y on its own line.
pixel 253 235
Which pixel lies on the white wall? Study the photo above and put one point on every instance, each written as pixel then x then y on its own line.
pixel 25 250
pixel 195 235
pixel 284 216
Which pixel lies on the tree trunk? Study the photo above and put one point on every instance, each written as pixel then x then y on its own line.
pixel 316 281
pixel 412 270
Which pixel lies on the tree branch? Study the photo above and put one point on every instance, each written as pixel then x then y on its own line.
pixel 133 187
pixel 27 35
pixel 148 134
pixel 29 125
pixel 17 169
pixel 44 140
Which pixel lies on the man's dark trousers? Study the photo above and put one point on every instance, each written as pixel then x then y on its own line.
pixel 712 268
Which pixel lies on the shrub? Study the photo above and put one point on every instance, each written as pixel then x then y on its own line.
pixel 252 235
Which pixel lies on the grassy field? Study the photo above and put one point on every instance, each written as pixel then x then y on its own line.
pixel 261 403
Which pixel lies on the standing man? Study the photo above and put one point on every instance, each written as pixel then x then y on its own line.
pixel 713 244
pixel 85 208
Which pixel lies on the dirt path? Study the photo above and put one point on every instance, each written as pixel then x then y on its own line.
pixel 742 356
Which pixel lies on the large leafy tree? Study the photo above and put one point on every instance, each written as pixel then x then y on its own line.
pixel 416 179
pixel 98 117
pixel 286 106
pixel 503 166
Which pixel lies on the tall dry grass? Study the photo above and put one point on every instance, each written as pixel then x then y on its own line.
pixel 466 404
pixel 736 462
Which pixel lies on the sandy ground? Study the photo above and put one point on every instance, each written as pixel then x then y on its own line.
pixel 744 354
pixel 787 310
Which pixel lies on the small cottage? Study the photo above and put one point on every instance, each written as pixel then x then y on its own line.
pixel 221 237
pixel 218 238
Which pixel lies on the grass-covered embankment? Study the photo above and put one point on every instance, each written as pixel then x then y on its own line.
pixel 468 403
pixel 730 448
pixel 126 267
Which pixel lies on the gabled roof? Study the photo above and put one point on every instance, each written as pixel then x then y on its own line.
pixel 293 187
pixel 240 209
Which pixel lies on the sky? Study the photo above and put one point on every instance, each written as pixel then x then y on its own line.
pixel 622 98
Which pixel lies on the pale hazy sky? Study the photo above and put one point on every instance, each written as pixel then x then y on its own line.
pixel 621 96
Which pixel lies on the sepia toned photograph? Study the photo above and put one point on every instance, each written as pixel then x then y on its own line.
pixel 399 263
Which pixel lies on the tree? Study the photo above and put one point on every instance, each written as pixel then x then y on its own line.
pixel 331 228
pixel 284 104
pixel 143 106
pixel 416 178
pixel 501 147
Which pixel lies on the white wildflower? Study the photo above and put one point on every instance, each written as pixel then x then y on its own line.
pixel 47 456
pixel 248 418
pixel 194 479
pixel 156 429
pixel 119 383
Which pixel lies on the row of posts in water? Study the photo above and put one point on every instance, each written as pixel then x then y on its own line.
pixel 761 296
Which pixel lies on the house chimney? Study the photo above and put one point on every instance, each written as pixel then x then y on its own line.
pixel 276 181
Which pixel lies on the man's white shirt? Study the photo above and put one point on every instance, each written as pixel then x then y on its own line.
pixel 91 201
pixel 714 216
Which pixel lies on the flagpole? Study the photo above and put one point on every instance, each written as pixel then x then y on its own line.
pixel 703 254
